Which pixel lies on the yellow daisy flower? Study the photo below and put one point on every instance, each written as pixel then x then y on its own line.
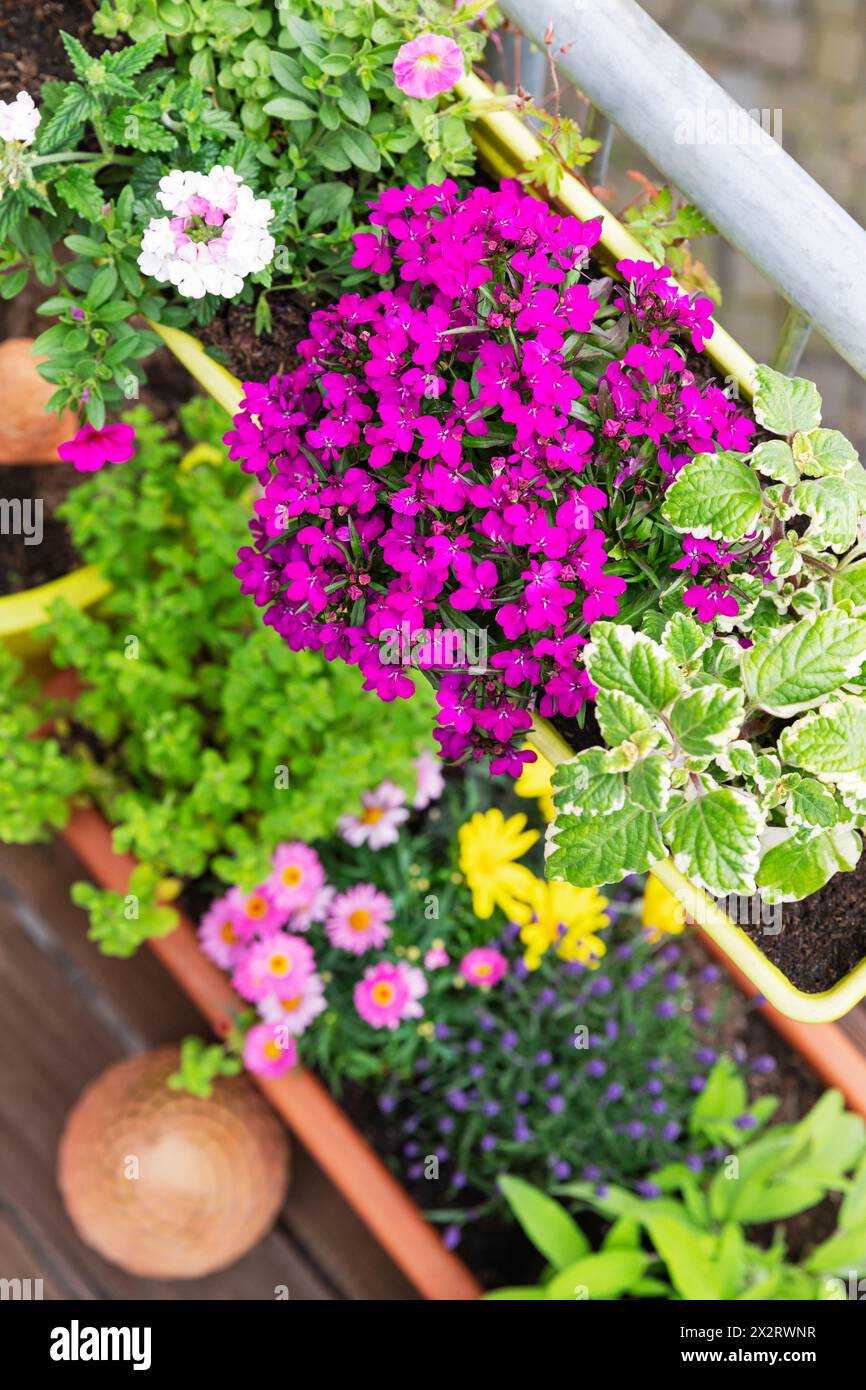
pixel 536 781
pixel 559 905
pixel 489 845
pixel 661 914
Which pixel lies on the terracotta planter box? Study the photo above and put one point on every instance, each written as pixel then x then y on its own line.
pixel 298 1097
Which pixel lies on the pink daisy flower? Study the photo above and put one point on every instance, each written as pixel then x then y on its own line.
pixel 358 917
pixel 383 811
pixel 315 911
pixel 90 449
pixel 280 964
pixel 428 65
pixel 389 992
pixel 269 1049
pixel 297 1011
pixel 223 934
pixel 297 877
pixel 436 958
pixel 256 910
pixel 483 966
pixel 430 783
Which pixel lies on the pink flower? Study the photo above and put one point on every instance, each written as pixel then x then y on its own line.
pixel 436 958
pixel 297 877
pixel 384 811
pixel 389 993
pixel 430 784
pixel 428 65
pixel 711 600
pixel 280 964
pixel 484 966
pixel 257 911
pixel 223 933
pixel 269 1050
pixel 297 1011
pixel 357 920
pixel 90 448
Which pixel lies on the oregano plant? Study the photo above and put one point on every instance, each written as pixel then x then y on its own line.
pixel 736 745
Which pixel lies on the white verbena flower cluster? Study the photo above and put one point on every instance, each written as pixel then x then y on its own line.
pixel 19 119
pixel 216 234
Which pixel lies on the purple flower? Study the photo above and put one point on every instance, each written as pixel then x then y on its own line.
pixel 90 449
pixel 556 1104
pixel 763 1064
pixel 645 1188
pixel 596 1068
pixel 451 1237
pixel 614 1092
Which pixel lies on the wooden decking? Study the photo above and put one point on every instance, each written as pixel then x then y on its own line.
pixel 67 1013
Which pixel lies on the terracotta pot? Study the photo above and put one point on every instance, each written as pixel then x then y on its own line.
pixel 28 434
pixel 301 1100
pixel 164 1184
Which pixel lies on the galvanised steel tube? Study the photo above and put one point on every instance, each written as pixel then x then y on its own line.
pixel 708 147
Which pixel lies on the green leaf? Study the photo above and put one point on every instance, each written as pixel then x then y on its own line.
pixel 716 496
pixel 582 786
pixel 793 870
pixel 691 1269
pixel 620 659
pixel 705 720
pixel 102 286
pixel 850 584
pixel 554 1233
pixel 62 128
pixel 516 1293
pixel 810 804
pixel 355 104
pixel 289 109
pixel 715 840
pixel 830 741
pixel 134 59
pixel 359 149
pixel 619 716
pixel 722 1100
pixel 834 508
pixel 783 404
pixel 822 452
pixel 685 640
pixel 591 850
pixel 80 191
pixel 649 783
pixel 608 1274
pixel 796 667
pixel 775 459
pixel 842 1254
pixel 78 56
pixel 324 203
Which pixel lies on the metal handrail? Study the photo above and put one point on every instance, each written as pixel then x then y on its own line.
pixel 757 196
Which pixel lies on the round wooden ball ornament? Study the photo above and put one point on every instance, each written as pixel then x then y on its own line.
pixel 166 1185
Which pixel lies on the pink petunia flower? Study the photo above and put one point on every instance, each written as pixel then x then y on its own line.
pixel 384 811
pixel 428 65
pixel 269 1049
pixel 358 919
pixel 280 964
pixel 90 449
pixel 297 877
pixel 389 993
pixel 223 933
pixel 484 966
pixel 297 1011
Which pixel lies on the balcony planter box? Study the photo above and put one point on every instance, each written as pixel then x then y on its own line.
pixel 298 1097
pixel 507 147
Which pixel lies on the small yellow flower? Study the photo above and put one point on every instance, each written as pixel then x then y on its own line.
pixel 426 1030
pixel 412 953
pixel 569 916
pixel 536 780
pixel 489 845
pixel 662 915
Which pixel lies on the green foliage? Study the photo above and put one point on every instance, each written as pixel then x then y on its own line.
pixel 200 1065
pixel 690 1242
pixel 202 737
pixel 120 922
pixel 744 744
pixel 298 98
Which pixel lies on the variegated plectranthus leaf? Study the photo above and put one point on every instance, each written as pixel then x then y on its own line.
pixel 794 668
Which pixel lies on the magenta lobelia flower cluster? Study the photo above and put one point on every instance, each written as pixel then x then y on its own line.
pixel 436 490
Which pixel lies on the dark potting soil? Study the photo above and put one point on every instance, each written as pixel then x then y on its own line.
pixel 253 356
pixel 30 46
pixel 821 938
pixel 23 565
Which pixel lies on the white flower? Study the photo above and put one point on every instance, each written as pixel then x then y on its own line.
pixel 216 237
pixel 383 812
pixel 19 119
